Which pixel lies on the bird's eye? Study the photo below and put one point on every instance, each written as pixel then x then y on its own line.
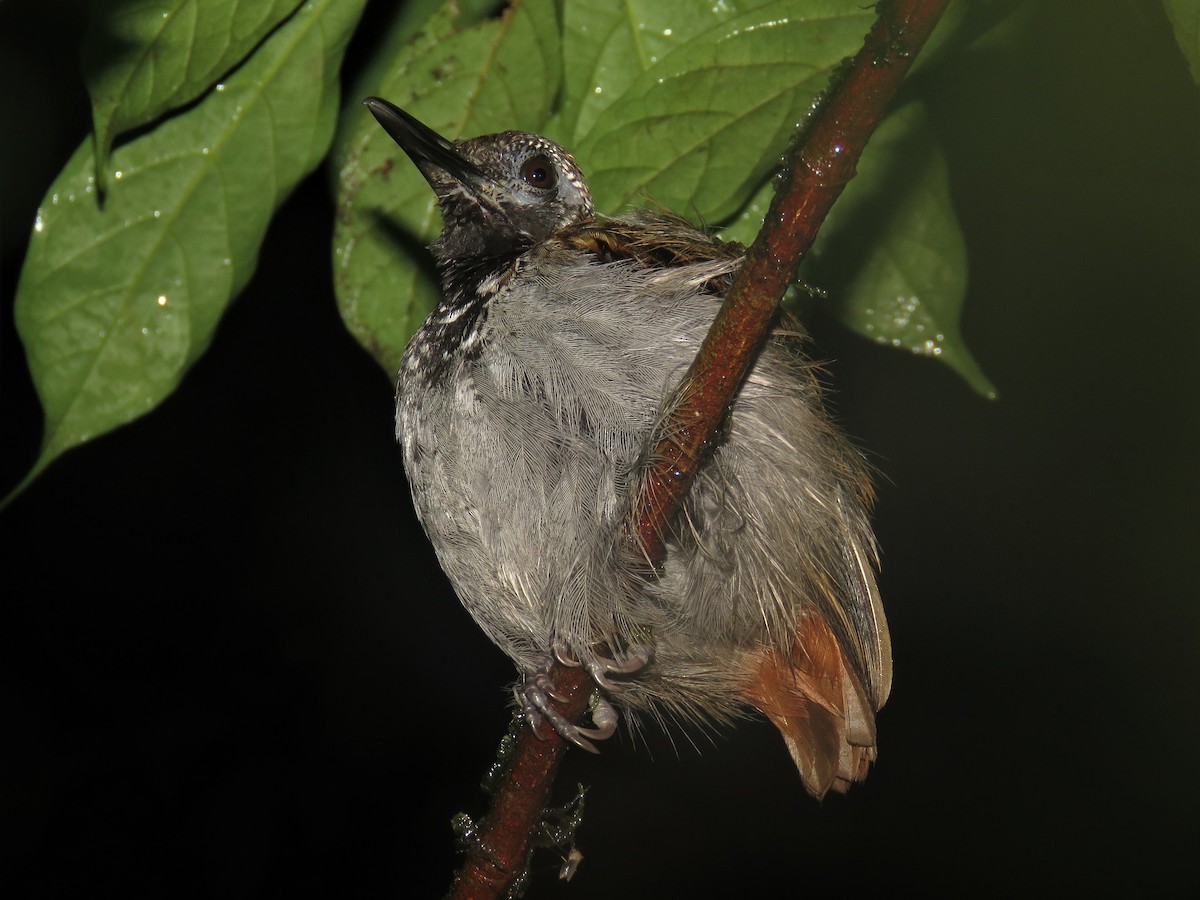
pixel 538 172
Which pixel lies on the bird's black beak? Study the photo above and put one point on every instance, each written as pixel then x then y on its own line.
pixel 425 147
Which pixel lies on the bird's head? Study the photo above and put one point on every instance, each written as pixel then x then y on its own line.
pixel 499 193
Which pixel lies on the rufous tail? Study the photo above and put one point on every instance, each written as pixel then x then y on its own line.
pixel 819 706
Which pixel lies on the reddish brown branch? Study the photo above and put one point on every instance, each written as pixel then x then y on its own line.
pixel 819 167
pixel 496 855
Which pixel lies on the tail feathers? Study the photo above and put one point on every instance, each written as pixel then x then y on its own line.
pixel 820 707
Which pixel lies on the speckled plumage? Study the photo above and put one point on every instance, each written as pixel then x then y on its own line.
pixel 526 406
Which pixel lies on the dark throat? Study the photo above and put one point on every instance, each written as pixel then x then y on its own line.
pixel 454 330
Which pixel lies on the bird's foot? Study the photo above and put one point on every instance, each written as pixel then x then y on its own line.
pixel 535 694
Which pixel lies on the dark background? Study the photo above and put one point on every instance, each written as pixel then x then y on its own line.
pixel 230 666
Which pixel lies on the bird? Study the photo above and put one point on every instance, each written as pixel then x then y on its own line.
pixel 528 405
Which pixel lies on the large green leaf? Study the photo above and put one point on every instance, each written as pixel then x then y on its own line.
pixel 497 74
pixel 607 46
pixel 891 254
pixel 114 304
pixel 144 57
pixel 705 121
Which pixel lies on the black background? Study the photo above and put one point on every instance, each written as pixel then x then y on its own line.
pixel 231 667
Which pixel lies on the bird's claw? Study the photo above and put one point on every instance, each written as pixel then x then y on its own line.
pixel 600 667
pixel 534 696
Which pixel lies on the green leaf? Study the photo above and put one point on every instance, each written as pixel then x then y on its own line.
pixel 144 57
pixel 1185 20
pixel 702 125
pixel 891 254
pixel 494 75
pixel 606 47
pixel 114 304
